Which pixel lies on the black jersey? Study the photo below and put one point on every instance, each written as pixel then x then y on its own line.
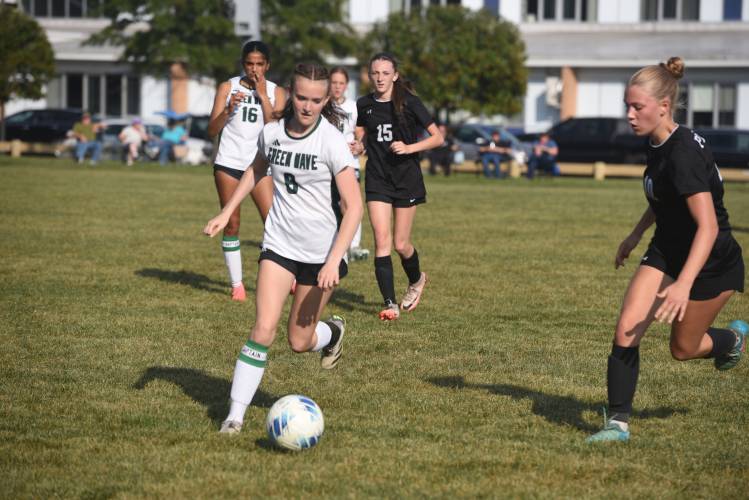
pixel 397 176
pixel 683 165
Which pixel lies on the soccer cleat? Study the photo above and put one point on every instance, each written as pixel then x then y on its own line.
pixel 238 293
pixel 732 357
pixel 413 294
pixel 612 431
pixel 331 353
pixel 391 312
pixel 230 427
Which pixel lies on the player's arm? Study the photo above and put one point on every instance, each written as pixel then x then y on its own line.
pixel 631 241
pixel 352 208
pixel 358 147
pixel 434 140
pixel 254 173
pixel 221 110
pixel 271 112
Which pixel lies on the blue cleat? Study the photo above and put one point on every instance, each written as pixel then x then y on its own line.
pixel 731 358
pixel 612 431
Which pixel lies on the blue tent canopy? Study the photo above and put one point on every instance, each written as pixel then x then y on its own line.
pixel 172 115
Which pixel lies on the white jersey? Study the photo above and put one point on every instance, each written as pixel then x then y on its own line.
pixel 302 223
pixel 238 143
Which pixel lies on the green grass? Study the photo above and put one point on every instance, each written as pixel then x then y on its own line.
pixel 119 340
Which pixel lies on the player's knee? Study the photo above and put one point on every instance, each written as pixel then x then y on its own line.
pixel 299 344
pixel 681 352
pixel 403 247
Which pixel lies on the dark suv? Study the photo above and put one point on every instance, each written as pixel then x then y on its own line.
pixel 598 139
pixel 41 125
pixel 730 147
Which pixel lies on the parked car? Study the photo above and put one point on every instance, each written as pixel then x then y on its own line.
pixel 730 147
pixel 41 125
pixel 472 136
pixel 598 139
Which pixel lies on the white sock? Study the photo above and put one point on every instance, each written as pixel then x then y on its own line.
pixel 324 333
pixel 248 372
pixel 233 259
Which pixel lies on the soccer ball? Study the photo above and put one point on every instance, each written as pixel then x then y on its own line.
pixel 294 423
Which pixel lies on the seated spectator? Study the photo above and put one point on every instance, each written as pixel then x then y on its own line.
pixel 131 138
pixel 85 134
pixel 442 155
pixel 544 156
pixel 495 153
pixel 173 135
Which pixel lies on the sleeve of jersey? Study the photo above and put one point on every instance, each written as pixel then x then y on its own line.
pixel 423 116
pixel 359 114
pixel 689 173
pixel 338 154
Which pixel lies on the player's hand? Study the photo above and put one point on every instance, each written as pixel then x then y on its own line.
pixel 625 248
pixel 215 225
pixel 356 148
pixel 328 277
pixel 235 100
pixel 261 85
pixel 675 299
pixel 400 148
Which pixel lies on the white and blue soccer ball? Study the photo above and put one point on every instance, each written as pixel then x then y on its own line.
pixel 295 423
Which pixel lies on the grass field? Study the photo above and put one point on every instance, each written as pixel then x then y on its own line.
pixel 119 341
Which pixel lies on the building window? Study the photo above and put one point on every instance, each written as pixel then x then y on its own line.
pixel 94 94
pixel 133 95
pixel 61 8
pixel 492 6
pixel 114 95
pixel 670 10
pixel 726 105
pixel 709 105
pixel 732 10
pixel 74 86
pixel 559 10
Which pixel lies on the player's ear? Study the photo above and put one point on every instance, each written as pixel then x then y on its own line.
pixel 665 106
pixel 395 77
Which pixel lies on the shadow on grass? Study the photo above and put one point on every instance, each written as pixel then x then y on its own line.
pixel 189 278
pixel 560 410
pixel 211 392
pixel 348 301
pixel 739 229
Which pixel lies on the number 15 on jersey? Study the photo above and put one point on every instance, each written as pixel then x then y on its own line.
pixel 385 132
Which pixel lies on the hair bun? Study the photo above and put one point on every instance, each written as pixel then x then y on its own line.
pixel 675 66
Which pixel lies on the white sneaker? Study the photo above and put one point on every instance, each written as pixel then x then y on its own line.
pixel 331 353
pixel 413 294
pixel 230 427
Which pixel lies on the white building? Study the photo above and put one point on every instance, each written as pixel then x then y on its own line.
pixel 580 55
pixel 92 78
pixel 582 52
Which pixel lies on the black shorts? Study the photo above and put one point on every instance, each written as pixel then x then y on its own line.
pixel 305 274
pixel 703 288
pixel 396 202
pixel 233 172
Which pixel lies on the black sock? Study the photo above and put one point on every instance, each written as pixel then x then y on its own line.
pixel 411 266
pixel 335 332
pixel 623 369
pixel 723 341
pixel 384 275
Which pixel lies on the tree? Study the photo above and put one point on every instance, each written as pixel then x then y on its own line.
pixel 155 34
pixel 304 31
pixel 27 61
pixel 457 58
